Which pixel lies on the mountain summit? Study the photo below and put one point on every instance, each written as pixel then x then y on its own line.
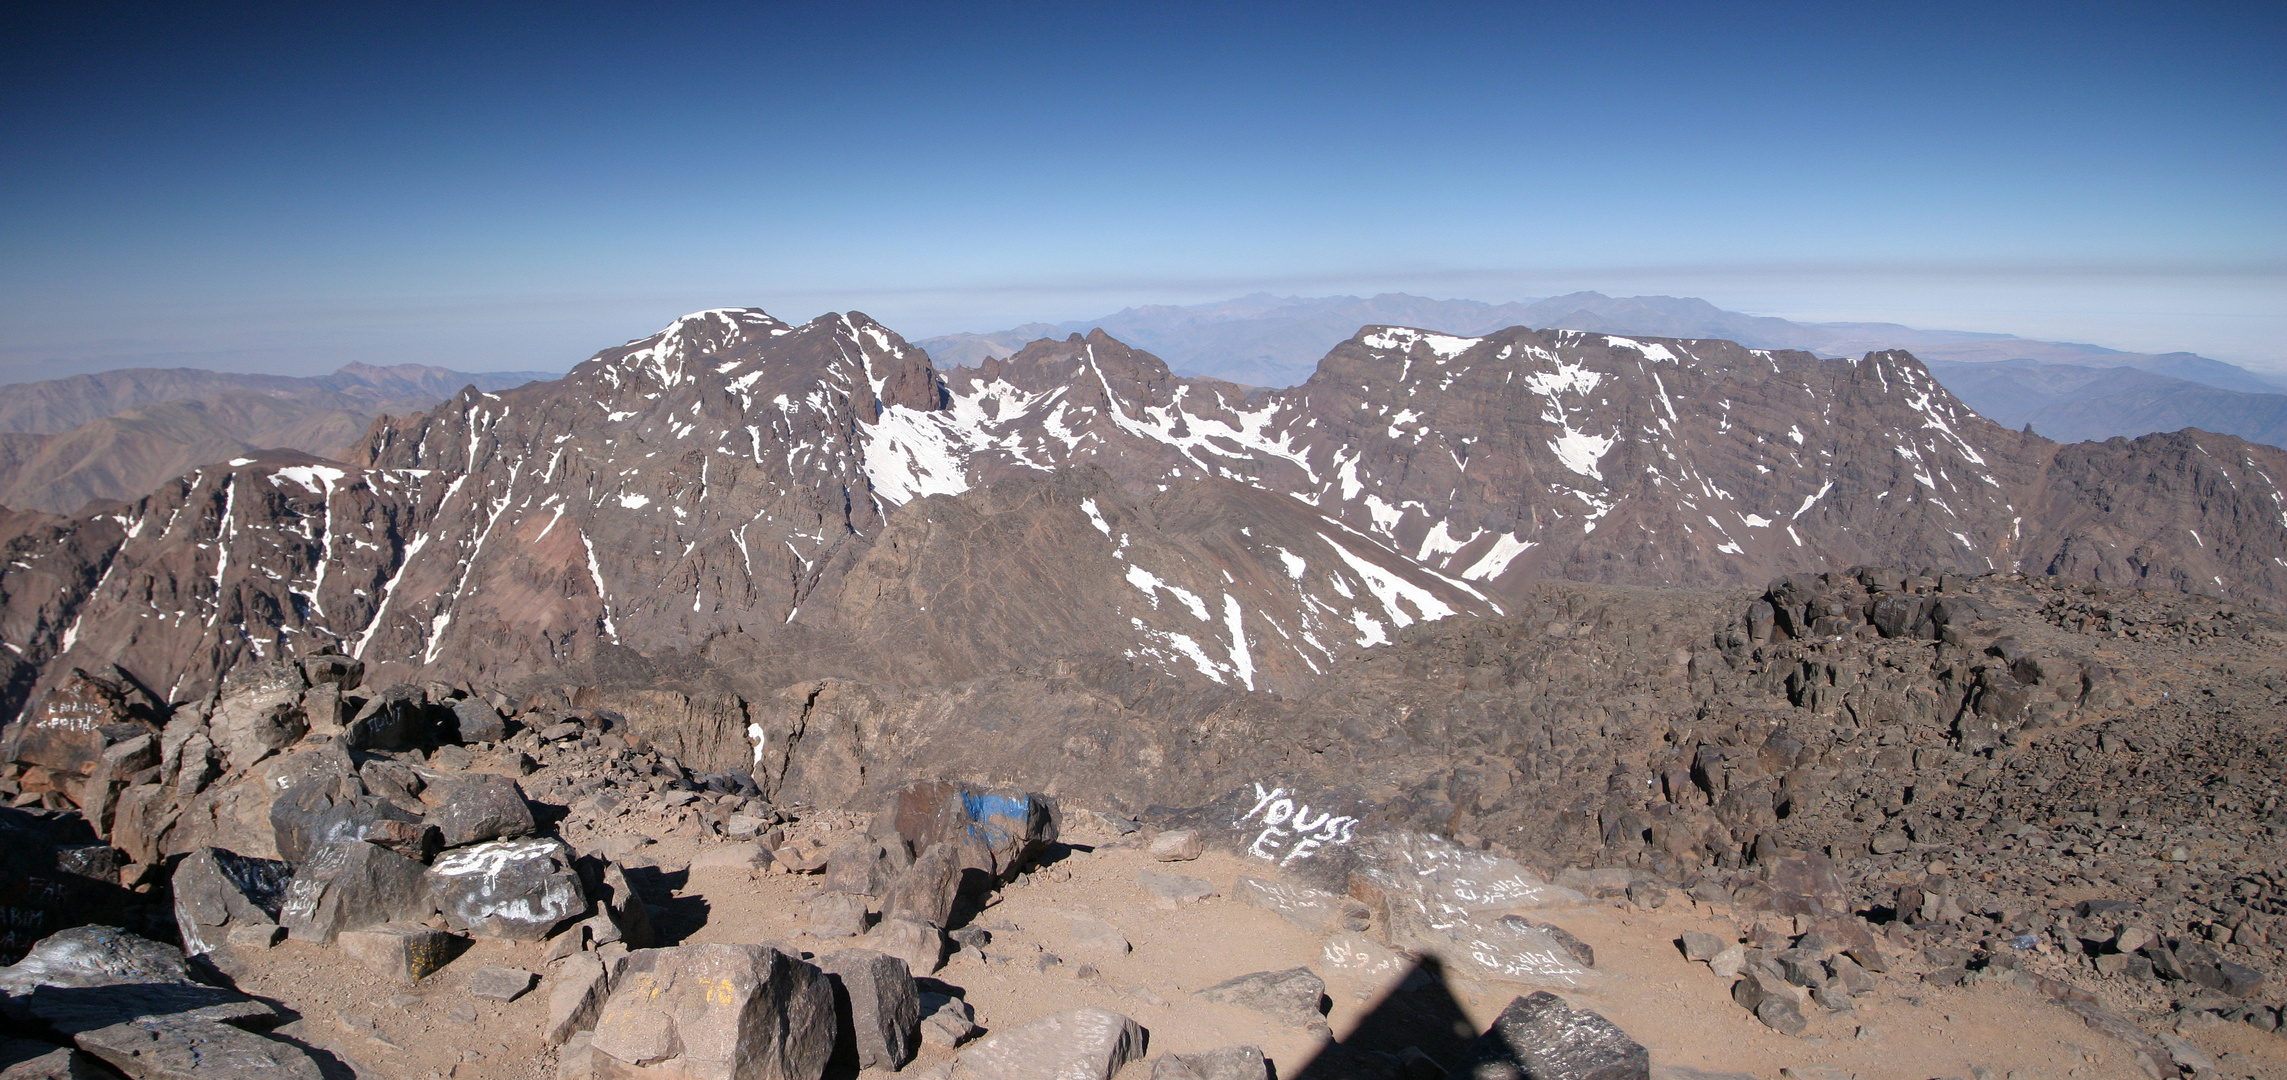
pixel 777 500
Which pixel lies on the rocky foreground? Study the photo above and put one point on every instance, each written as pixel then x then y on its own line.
pixel 1866 823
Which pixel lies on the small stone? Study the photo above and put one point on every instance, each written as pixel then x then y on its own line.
pixel 1701 946
pixel 1094 937
pixel 1175 845
pixel 256 935
pixel 501 983
pixel 461 1013
pixel 1728 963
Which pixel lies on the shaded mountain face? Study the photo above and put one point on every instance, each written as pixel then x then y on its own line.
pixel 771 503
pixel 117 435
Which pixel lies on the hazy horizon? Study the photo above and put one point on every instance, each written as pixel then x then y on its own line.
pixel 287 189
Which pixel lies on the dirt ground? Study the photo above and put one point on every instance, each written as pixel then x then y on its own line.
pixel 1678 1009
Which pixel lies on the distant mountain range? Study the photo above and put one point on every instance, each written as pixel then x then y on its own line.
pixel 1273 341
pixel 119 434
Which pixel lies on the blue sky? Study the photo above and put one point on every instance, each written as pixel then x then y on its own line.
pixel 489 186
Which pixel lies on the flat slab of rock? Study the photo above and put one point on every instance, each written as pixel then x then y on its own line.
pixel 500 983
pixel 1315 910
pixel 746 1011
pixel 1227 1063
pixel 1172 891
pixel 1093 937
pixel 1082 1044
pixel 520 890
pixel 190 1048
pixel 91 977
pixel 1293 994
pixel 1540 1036
pixel 744 857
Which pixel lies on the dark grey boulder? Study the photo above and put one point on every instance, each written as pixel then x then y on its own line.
pixel 475 807
pixel 191 1048
pixel 328 801
pixel 349 884
pixel 1295 994
pixel 928 889
pixel 1539 1037
pixel 397 718
pixel 520 890
pixel 217 891
pixel 879 1006
pixel 475 720
pixel 864 867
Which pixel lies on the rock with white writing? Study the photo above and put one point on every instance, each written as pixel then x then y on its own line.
pixel 1509 949
pixel 397 718
pixel 1315 910
pixel 520 890
pixel 878 1005
pixel 325 799
pixel 217 891
pixel 1307 834
pixel 1000 832
pixel 1362 957
pixel 1540 1036
pixel 1438 879
pixel 716 1012
pixel 349 884
pixel 65 733
pixel 1082 1044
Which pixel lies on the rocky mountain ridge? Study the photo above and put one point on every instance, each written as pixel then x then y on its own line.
pixel 798 501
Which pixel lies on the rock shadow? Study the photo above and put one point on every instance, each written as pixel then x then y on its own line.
pixel 673 918
pixel 1418 1024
